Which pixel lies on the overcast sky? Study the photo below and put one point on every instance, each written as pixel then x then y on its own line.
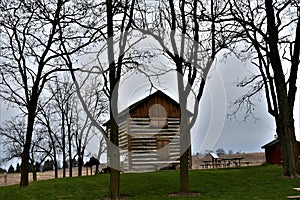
pixel 213 126
pixel 237 135
pixel 213 129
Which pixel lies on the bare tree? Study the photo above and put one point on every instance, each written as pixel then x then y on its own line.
pixel 66 103
pixel 271 34
pixel 82 137
pixel 112 75
pixel 12 136
pixel 62 91
pixel 114 70
pixel 71 129
pixel 31 51
pixel 64 108
pixel 46 119
pixel 96 102
pixel 190 36
pixel 40 150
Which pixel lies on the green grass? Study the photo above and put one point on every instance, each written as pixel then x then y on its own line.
pixel 263 182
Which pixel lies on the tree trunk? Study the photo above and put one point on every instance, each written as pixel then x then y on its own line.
pixel 114 158
pixel 80 152
pixel 184 153
pixel 184 172
pixel 34 171
pixel 24 168
pixel 70 150
pixel 64 163
pixel 97 168
pixel 80 164
pixel 289 150
pixel 285 121
pixel 184 137
pixel 25 154
pixel 114 77
pixel 70 160
pixel 63 143
pixel 284 118
pixel 113 150
pixel 54 151
pixel 114 184
pixel 55 164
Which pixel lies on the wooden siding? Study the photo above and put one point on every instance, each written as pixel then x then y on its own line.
pixel 273 154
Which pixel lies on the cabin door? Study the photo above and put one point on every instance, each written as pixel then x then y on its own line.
pixel 163 150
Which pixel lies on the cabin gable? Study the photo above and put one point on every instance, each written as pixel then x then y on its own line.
pixel 142 109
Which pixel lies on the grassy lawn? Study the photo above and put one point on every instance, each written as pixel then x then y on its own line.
pixel 263 182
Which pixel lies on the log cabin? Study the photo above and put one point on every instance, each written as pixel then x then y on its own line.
pixel 149 137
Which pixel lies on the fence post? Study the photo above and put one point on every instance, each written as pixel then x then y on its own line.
pixel 5 178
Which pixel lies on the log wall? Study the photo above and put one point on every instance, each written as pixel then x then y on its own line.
pixel 143 153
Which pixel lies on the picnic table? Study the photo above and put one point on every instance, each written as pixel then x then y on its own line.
pixel 223 162
pixel 234 160
pixel 294 197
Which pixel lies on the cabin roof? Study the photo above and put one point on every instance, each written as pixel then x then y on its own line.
pixel 209 156
pixel 273 142
pixel 135 105
pixel 140 102
pixel 213 155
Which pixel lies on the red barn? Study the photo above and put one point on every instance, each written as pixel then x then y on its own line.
pixel 272 152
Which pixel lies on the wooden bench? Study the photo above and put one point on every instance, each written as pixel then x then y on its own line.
pixel 294 197
pixel 297 189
